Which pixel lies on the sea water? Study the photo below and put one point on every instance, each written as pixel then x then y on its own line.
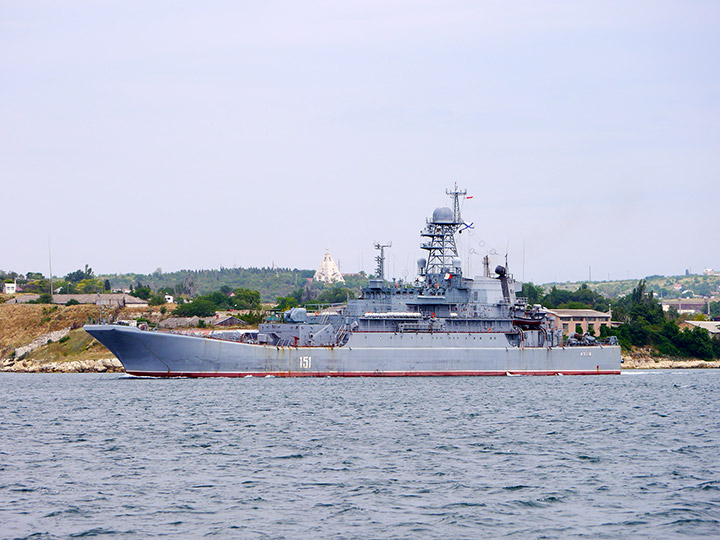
pixel 111 456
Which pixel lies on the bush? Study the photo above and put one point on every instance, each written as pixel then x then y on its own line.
pixel 72 302
pixel 697 342
pixel 142 292
pixel 285 302
pixel 254 317
pixel 246 299
pixel 200 307
pixel 157 300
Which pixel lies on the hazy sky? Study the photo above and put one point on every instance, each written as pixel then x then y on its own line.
pixel 174 134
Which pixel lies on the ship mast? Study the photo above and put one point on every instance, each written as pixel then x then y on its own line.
pixel 380 259
pixel 456 194
pixel 440 232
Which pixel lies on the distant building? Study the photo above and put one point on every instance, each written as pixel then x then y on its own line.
pixel 687 305
pixel 169 299
pixel 588 319
pixel 179 322
pixel 328 271
pixel 9 288
pixel 711 326
pixel 107 299
pixel 228 320
pixel 23 299
pixel 215 320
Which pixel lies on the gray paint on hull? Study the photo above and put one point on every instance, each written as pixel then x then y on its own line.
pixel 159 353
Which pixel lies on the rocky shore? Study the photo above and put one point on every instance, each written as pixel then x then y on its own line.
pixel 105 365
pixel 666 363
pixel 645 358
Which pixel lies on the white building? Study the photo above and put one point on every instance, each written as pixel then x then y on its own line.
pixel 328 271
pixel 10 288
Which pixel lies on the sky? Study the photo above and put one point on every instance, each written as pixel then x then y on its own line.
pixel 137 135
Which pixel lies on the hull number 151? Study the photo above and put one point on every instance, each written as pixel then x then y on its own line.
pixel 305 362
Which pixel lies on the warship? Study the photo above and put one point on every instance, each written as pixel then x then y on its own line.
pixel 440 324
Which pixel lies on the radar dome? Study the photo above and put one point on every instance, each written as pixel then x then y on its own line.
pixel 443 215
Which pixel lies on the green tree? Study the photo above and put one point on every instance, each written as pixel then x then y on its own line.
pixel 200 307
pixel 40 286
pixel 142 291
pixel 284 303
pixel 697 343
pixel 337 295
pixel 246 299
pixel 157 299
pixel 253 317
pixel 79 275
pixel 74 277
pixel 89 285
pixel 583 298
pixel 533 293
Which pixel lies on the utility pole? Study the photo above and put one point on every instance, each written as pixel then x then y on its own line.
pixel 51 274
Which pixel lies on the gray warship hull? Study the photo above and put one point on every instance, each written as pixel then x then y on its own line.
pixel 441 324
pixel 371 354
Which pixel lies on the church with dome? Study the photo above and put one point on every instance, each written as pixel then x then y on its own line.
pixel 328 271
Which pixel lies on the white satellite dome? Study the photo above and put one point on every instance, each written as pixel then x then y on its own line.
pixel 443 215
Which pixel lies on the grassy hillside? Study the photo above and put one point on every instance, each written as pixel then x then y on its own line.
pixel 662 286
pixel 77 345
pixel 270 282
pixel 22 323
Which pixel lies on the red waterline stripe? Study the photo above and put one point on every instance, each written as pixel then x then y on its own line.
pixel 365 373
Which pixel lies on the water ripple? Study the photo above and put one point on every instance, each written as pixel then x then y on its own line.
pixel 571 457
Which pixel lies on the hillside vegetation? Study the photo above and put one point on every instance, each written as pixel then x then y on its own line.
pixel 278 282
pixel 271 283
pixel 664 287
pixel 77 345
pixel 20 324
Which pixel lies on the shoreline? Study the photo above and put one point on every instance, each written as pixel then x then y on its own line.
pixel 630 363
pixel 113 365
pixel 102 365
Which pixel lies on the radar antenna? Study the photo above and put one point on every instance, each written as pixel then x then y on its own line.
pixel 456 194
pixel 380 259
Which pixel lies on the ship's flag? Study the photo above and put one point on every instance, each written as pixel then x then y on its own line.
pixel 469 197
